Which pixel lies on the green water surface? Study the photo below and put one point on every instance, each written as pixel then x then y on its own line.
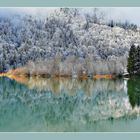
pixel 69 105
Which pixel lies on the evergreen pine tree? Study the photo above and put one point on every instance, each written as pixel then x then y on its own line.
pixel 131 67
pixel 137 63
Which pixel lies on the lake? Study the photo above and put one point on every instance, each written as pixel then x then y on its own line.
pixel 69 105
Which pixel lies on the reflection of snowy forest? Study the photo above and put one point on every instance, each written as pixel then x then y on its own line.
pixel 65 101
pixel 66 41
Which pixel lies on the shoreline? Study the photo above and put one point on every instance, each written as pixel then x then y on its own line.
pixel 82 77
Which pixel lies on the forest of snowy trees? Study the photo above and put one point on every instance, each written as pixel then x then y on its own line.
pixel 66 42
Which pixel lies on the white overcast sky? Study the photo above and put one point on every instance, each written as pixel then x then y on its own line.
pixel 131 14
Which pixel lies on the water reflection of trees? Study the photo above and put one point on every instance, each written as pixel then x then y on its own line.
pixel 62 101
pixel 71 86
pixel 134 91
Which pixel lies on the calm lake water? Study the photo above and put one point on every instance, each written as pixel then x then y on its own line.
pixel 52 105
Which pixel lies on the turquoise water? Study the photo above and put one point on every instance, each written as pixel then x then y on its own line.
pixel 57 105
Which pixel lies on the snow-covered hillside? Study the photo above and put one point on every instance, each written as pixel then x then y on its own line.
pixel 64 40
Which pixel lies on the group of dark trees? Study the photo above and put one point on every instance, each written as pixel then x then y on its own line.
pixel 134 60
pixel 125 25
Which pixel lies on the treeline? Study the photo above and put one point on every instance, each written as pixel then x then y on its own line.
pixel 125 25
pixel 75 66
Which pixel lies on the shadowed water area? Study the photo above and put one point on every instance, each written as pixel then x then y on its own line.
pixel 64 104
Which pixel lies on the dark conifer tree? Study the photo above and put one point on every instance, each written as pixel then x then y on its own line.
pixel 131 67
pixel 137 64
